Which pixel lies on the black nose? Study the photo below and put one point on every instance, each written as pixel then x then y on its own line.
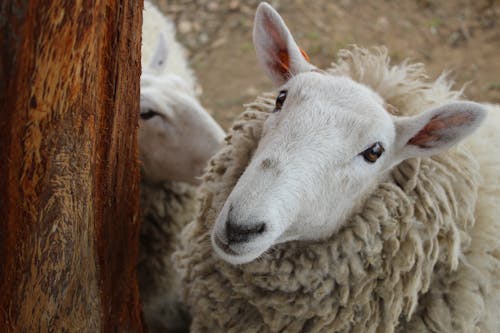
pixel 242 233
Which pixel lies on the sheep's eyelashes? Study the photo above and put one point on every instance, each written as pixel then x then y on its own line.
pixel 280 100
pixel 372 154
pixel 148 114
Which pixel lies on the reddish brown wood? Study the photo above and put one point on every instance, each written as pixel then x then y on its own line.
pixel 69 95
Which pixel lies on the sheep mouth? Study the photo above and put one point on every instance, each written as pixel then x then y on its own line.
pixel 224 247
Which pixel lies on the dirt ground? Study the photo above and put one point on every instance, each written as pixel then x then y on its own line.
pixel 461 36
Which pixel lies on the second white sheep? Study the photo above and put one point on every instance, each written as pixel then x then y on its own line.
pixel 176 138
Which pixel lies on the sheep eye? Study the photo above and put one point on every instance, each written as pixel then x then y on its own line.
pixel 280 100
pixel 148 114
pixel 372 154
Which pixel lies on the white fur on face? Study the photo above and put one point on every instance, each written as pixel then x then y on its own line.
pixel 176 143
pixel 307 173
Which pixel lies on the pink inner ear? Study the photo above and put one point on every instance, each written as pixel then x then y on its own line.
pixel 280 57
pixel 282 63
pixel 279 60
pixel 436 128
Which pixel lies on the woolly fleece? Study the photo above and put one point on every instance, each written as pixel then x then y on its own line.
pixel 166 209
pixel 420 256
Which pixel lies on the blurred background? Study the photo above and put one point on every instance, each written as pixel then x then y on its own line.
pixel 461 36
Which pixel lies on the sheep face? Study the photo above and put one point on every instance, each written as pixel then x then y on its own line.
pixel 322 152
pixel 176 135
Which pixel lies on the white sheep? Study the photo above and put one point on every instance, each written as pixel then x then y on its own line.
pixel 176 139
pixel 343 207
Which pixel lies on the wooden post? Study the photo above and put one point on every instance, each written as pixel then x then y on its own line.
pixel 69 201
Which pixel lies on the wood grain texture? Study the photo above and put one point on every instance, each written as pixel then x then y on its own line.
pixel 69 195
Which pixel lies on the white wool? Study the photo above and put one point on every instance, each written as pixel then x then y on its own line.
pixel 165 209
pixel 484 250
pixel 153 23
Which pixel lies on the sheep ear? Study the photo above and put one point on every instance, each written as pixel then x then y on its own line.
pixel 277 52
pixel 159 59
pixel 438 129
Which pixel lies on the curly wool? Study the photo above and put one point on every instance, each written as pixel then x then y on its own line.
pixel 166 209
pixel 411 260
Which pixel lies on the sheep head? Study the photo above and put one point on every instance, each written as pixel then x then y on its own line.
pixel 176 134
pixel 327 145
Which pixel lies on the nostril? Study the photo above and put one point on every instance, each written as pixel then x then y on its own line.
pixel 242 233
pixel 261 228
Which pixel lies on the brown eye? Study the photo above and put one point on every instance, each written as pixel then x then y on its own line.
pixel 280 100
pixel 372 154
pixel 148 114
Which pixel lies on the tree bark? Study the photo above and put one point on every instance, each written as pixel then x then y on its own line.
pixel 69 176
